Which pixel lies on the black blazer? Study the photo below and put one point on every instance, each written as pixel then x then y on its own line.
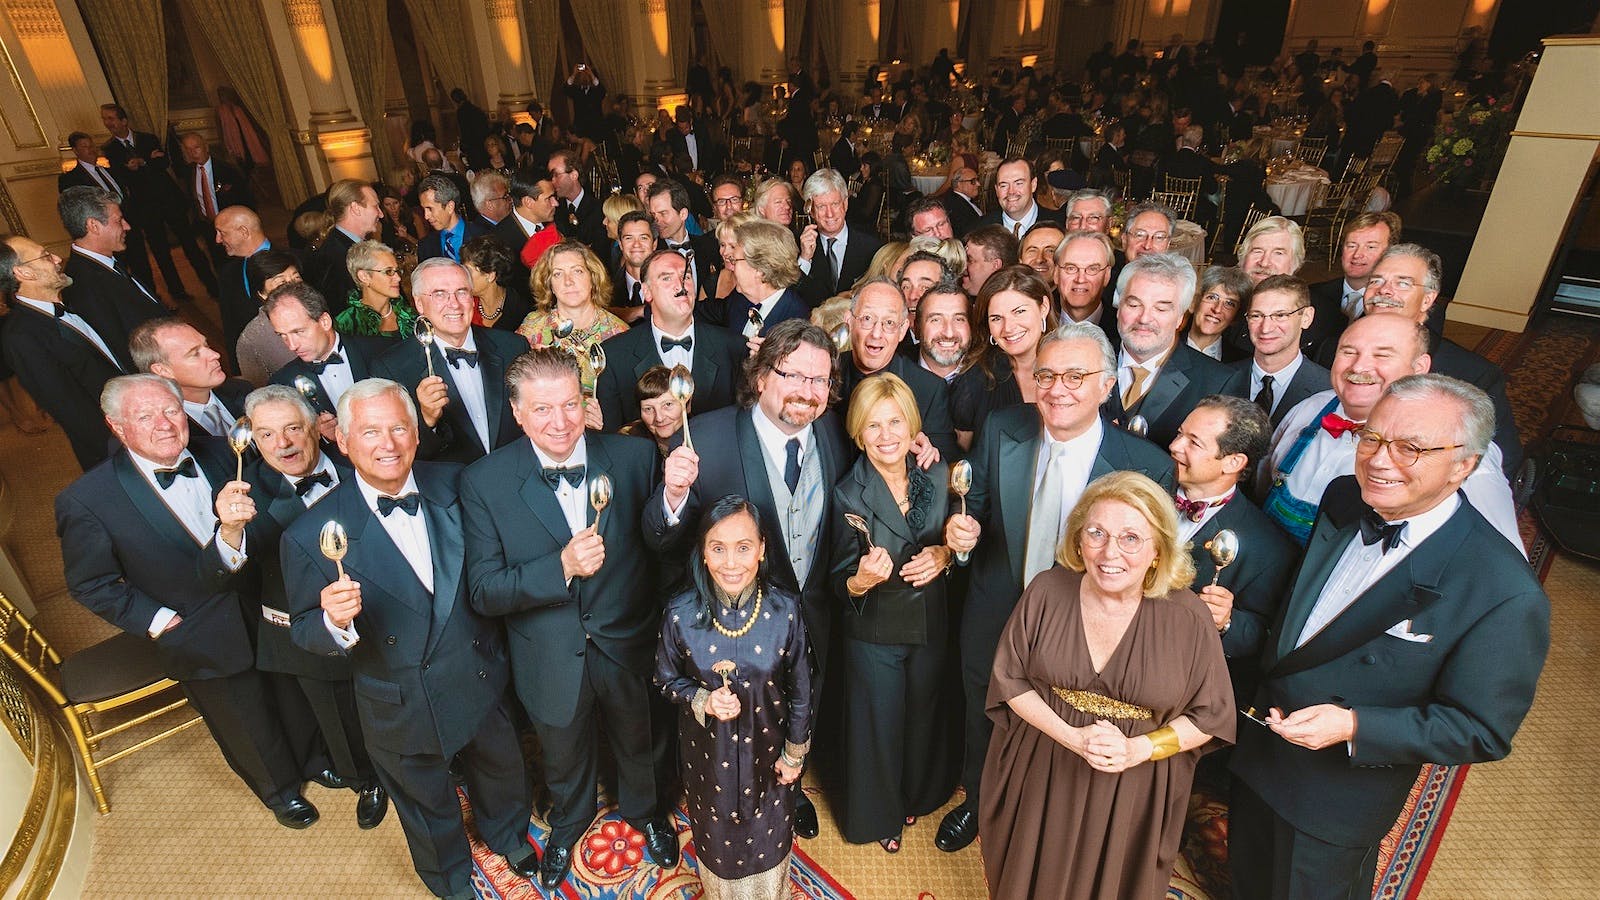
pixel 1319 339
pixel 111 303
pixel 707 256
pixel 962 212
pixel 127 555
pixel 933 400
pixel 790 306
pixel 1450 358
pixel 511 236
pixel 716 361
pixel 843 158
pixel 77 177
pixel 818 284
pixel 894 612
pixel 230 185
pixel 471 226
pixel 64 373
pixel 1457 698
pixel 328 272
pixel 1309 379
pixel 149 190
pixel 362 352
pixel 586 222
pixel 423 684
pixel 453 438
pixel 1187 377
pixel 515 534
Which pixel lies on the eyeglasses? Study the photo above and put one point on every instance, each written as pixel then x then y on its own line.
pixel 1086 219
pixel 45 255
pixel 1071 270
pixel 1046 379
pixel 1154 237
pixel 1400 282
pixel 730 260
pixel 1230 304
pixel 1401 451
pixel 388 272
pixel 727 201
pixel 1127 542
pixel 795 378
pixel 870 323
pixel 1278 318
pixel 439 296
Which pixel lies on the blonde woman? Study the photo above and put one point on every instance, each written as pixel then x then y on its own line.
pixel 570 285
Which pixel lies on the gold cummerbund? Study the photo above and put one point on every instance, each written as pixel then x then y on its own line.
pixel 1093 704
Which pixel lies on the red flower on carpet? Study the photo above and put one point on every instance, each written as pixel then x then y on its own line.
pixel 613 848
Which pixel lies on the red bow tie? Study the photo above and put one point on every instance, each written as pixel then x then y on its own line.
pixel 1195 510
pixel 1338 425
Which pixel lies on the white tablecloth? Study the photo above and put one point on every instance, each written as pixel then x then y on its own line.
pixel 1295 191
pixel 1188 241
pixel 927 184
pixel 1282 145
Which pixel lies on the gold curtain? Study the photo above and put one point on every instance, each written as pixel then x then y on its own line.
pixel 131 35
pixel 680 39
pixel 601 24
pixel 239 34
pixel 727 31
pixel 828 17
pixel 891 33
pixel 975 24
pixel 364 30
pixel 544 34
pixel 439 24
pixel 794 29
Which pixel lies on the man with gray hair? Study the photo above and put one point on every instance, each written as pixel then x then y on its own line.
pixel 153 541
pixel 329 362
pixel 101 290
pixel 879 320
pixel 832 254
pixel 1160 377
pixel 1273 246
pixel 442 205
pixel 430 673
pixel 1413 634
pixel 461 394
pixel 1088 210
pixel 491 195
pixel 1064 441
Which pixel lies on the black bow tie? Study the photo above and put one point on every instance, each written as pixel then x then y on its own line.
pixel 60 310
pixel 410 503
pixel 453 356
pixel 304 485
pixel 1375 529
pixel 554 474
pixel 165 477
pixel 333 359
pixel 686 342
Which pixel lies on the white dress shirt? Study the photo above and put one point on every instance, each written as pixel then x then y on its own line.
pixel 212 415
pixel 1353 301
pixel 102 177
pixel 76 323
pixel 841 240
pixel 1213 350
pixel 1126 364
pixel 1027 221
pixel 410 536
pixel 574 501
pixel 336 378
pixel 528 228
pixel 1081 452
pixel 189 501
pixel 677 356
pixel 1280 379
pixel 1187 529
pixel 469 384
pixel 692 144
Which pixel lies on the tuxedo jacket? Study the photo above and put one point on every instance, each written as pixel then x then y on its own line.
pixel 515 534
pixel 819 284
pixel 1187 377
pixel 931 392
pixel 716 362
pixel 792 305
pixel 362 352
pixel 453 438
pixel 64 373
pixel 843 159
pixel 277 507
pixel 706 255
pixel 111 303
pixel 433 245
pixel 127 555
pixel 733 464
pixel 511 236
pixel 585 222
pixel 1258 579
pixel 424 682
pixel 149 190
pixel 712 154
pixel 78 177
pixel 962 212
pixel 1309 379
pixel 328 272
pixel 1058 216
pixel 1318 341
pixel 1455 695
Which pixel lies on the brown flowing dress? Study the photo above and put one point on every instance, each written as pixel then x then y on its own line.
pixel 1052 827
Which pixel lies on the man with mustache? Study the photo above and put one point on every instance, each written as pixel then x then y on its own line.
pixel 1316 442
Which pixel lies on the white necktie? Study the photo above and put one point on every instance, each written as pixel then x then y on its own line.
pixel 1044 521
pixel 1354 305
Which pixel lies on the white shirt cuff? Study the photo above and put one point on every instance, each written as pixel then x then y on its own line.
pixel 163 618
pixel 232 558
pixel 805 265
pixel 673 515
pixel 344 637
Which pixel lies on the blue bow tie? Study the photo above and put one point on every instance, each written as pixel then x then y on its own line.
pixel 554 474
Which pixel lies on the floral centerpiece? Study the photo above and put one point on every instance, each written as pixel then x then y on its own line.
pixel 1471 143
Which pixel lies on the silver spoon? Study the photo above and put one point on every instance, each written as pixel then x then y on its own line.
pixel 599 496
pixel 425 338
pixel 239 437
pixel 960 483
pixel 1138 425
pixel 334 544
pixel 307 388
pixel 681 386
pixel 860 524
pixel 1224 547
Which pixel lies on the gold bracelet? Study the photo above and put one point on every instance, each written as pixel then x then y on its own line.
pixel 1163 743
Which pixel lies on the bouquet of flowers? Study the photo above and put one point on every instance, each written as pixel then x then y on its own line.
pixel 1471 143
pixel 938 153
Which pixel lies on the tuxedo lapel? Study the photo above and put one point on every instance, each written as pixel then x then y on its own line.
pixel 599 463
pixel 1323 551
pixel 1172 380
pixel 460 419
pixel 448 549
pixel 875 497
pixel 373 557
pixel 1018 454
pixel 148 502
pixel 67 332
pixel 702 364
pixel 492 369
pixel 537 494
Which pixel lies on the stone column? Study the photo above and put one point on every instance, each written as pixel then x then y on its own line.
pixel 655 83
pixel 855 48
pixel 333 141
pixel 762 41
pixel 503 54
pixel 1024 30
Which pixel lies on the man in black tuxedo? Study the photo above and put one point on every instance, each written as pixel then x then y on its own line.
pixel 1419 115
pixel 1216 448
pixel 153 540
pixel 212 186
pixel 176 351
pixel 1278 376
pixel 880 319
pixel 1372 113
pixel 239 233
pixel 577 595
pixel 1159 376
pixel 1189 162
pixel 672 338
pixel 1015 209
pixel 1341 299
pixel 429 672
pixel 491 197
pixel 1063 441
pixel 961 201
pixel 782 449
pixel 463 403
pixel 332 361
pixel 472 123
pixel 834 255
pixel 875 108
pixel 705 154
pixel 843 157
pixel 1414 633
pixel 58 357
pixel 354 208
pixel 636 242
pixel 533 209
pixel 291 474
pixel 87 172
pixel 668 204
pixel 100 290
pixel 579 214
pixel 154 202
pixel 442 205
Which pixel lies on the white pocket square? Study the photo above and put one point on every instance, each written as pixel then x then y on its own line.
pixel 1402 630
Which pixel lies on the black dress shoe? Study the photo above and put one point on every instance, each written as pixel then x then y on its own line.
pixel 329 779
pixel 297 813
pixel 555 865
pixel 372 804
pixel 661 844
pixel 525 864
pixel 805 818
pixel 957 830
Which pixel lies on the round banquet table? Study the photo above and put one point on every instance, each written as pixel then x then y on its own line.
pixel 1296 190
pixel 927 184
pixel 1188 241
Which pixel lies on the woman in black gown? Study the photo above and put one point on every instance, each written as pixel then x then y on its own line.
pixel 734 657
pixel 1012 313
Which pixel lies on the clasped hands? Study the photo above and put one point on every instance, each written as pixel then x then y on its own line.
pixel 876 565
pixel 1106 749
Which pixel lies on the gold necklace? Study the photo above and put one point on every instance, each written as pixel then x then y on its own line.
pixel 755 611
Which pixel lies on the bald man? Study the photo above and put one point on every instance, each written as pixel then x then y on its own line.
pixel 239 234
